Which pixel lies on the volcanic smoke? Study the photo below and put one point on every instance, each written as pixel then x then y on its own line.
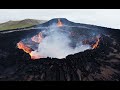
pixel 56 42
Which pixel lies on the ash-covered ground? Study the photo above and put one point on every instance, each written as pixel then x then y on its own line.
pixel 102 63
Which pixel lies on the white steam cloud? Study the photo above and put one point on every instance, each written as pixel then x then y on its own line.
pixel 57 44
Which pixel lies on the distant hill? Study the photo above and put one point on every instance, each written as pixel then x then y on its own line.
pixel 20 24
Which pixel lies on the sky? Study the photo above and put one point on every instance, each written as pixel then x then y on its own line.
pixel 100 17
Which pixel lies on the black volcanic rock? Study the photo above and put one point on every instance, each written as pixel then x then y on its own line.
pixel 102 63
pixel 55 20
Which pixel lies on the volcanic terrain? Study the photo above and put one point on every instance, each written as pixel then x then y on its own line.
pixel 101 61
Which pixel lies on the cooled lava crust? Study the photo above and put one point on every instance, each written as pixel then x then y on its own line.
pixel 101 63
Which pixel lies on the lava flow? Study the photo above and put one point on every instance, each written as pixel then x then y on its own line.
pixel 35 55
pixel 25 48
pixel 96 44
pixel 37 38
pixel 59 24
pixel 28 50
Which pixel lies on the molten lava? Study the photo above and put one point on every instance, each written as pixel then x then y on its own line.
pixel 92 41
pixel 96 44
pixel 59 24
pixel 25 48
pixel 28 50
pixel 34 55
pixel 37 38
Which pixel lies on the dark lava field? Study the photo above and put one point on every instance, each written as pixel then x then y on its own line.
pixel 100 64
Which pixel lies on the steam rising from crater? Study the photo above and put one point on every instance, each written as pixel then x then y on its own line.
pixel 57 44
pixel 58 40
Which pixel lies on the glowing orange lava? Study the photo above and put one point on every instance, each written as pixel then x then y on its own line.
pixel 37 38
pixel 59 24
pixel 88 41
pixel 25 48
pixel 34 55
pixel 96 44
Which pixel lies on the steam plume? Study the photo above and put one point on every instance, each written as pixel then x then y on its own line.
pixel 56 44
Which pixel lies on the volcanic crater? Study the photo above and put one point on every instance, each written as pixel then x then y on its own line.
pixel 93 52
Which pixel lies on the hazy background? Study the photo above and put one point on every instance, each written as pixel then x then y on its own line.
pixel 100 17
